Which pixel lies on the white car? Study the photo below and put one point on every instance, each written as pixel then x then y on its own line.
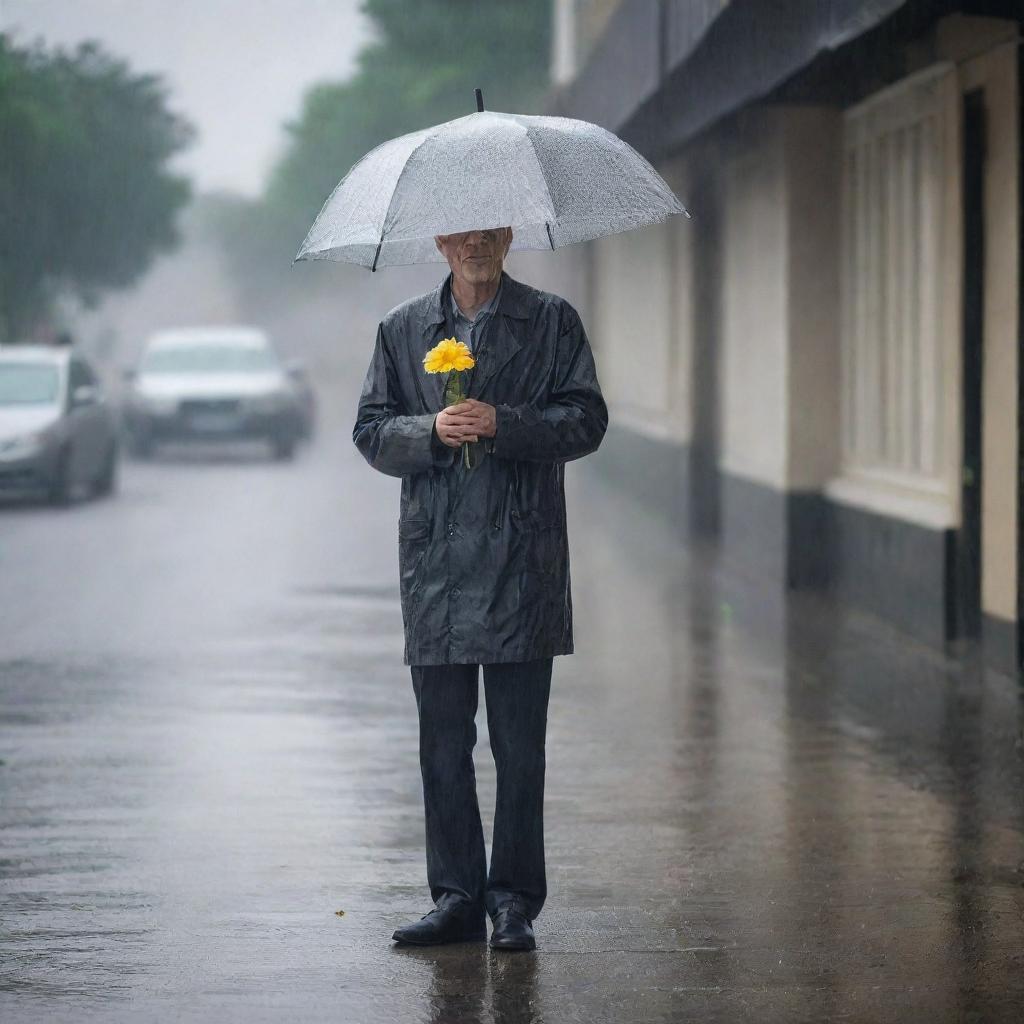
pixel 57 430
pixel 211 383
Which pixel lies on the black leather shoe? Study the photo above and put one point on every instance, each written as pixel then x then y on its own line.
pixel 512 928
pixel 452 920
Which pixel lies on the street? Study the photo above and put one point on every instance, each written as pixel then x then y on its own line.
pixel 756 809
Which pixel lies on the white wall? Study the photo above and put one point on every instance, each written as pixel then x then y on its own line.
pixel 777 297
pixel 632 281
pixel 754 326
pixel 812 148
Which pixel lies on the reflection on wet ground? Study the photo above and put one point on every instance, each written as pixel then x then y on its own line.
pixel 757 809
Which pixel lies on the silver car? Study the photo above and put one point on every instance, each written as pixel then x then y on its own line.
pixel 57 430
pixel 211 383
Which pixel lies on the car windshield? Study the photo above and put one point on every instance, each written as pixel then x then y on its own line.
pixel 208 358
pixel 28 383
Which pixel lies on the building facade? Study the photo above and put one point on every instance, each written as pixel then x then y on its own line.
pixel 821 370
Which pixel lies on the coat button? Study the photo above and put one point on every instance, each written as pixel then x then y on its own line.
pixel 456 591
pixel 451 529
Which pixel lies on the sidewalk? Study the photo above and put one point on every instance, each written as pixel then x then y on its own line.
pixel 756 810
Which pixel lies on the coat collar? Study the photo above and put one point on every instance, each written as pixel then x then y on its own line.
pixel 499 343
pixel 512 301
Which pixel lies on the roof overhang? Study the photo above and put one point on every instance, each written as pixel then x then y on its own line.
pixel 663 72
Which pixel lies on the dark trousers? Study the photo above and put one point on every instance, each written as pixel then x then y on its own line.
pixel 517 707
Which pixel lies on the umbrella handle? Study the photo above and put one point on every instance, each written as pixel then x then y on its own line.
pixel 479 101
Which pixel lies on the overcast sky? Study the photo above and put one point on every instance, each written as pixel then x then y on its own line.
pixel 236 68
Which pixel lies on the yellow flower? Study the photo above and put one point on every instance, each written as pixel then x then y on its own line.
pixel 448 354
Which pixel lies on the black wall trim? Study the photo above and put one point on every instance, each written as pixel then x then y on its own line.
pixel 898 570
pixel 810 561
pixel 999 640
pixel 754 535
pixel 655 471
pixel 783 535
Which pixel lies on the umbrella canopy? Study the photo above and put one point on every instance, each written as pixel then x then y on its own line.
pixel 554 180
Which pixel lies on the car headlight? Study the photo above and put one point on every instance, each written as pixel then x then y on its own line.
pixel 23 446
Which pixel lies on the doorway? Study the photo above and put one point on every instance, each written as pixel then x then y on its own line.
pixel 966 588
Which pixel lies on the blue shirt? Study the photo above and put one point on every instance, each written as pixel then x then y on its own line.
pixel 468 331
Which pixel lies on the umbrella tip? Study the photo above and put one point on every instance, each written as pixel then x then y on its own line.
pixel 479 101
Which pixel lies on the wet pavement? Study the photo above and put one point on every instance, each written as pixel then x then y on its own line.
pixel 210 805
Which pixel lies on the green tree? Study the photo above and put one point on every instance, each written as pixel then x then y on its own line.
pixel 86 200
pixel 420 70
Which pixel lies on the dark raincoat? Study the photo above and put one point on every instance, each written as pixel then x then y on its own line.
pixel 483 552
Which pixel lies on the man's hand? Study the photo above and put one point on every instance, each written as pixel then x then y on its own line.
pixel 468 421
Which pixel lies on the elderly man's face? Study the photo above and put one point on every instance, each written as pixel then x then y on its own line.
pixel 476 257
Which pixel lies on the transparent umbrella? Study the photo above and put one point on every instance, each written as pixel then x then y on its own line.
pixel 555 180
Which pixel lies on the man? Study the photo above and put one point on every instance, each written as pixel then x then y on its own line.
pixel 483 563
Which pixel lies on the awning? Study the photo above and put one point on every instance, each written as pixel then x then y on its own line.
pixel 663 71
pixel 641 42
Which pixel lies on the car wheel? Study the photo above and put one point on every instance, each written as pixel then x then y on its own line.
pixel 283 446
pixel 59 492
pixel 106 482
pixel 141 446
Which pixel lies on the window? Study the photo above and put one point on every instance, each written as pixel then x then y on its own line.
pixel 896 360
pixel 209 358
pixel 28 383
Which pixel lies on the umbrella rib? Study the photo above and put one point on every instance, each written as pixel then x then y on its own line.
pixel 543 181
pixel 335 191
pixel 394 191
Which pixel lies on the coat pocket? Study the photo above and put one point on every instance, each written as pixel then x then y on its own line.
pixel 533 519
pixel 413 542
pixel 539 532
pixel 412 529
pixel 499 515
